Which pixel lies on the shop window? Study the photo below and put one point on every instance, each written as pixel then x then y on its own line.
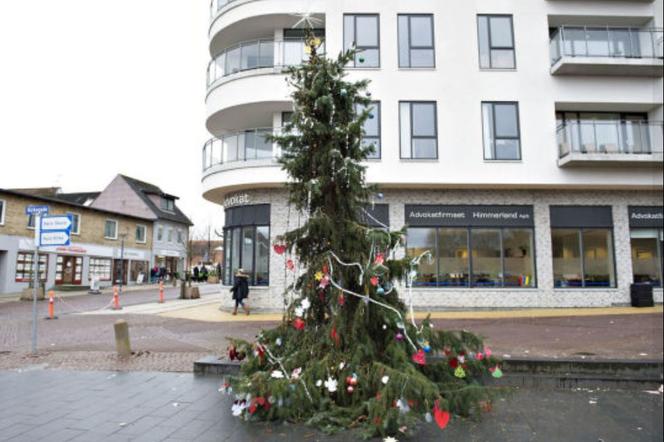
pixel 100 269
pixel 416 41
pixel 3 207
pixel 141 234
pixel 496 42
pixel 248 248
pixel 372 129
pixel 419 130
pixel 583 258
pixel 647 256
pixel 111 229
pixel 25 269
pixel 502 134
pixel 475 257
pixel 363 32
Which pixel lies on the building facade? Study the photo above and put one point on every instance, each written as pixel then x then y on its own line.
pixel 170 227
pixel 520 143
pixel 105 246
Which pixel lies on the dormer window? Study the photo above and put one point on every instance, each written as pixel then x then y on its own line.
pixel 168 204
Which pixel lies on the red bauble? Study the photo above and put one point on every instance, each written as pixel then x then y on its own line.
pixel 342 299
pixel 349 379
pixel 374 281
pixel 298 324
pixel 353 382
pixel 454 363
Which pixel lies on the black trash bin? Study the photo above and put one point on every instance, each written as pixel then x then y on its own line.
pixel 642 295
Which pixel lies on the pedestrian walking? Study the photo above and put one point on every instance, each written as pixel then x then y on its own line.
pixel 240 291
pixel 196 273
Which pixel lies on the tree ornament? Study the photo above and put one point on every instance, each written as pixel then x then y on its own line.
pixel 460 372
pixel 496 372
pixel 399 337
pixel 290 265
pixel 420 358
pixel 350 389
pixel 331 384
pixel 278 374
pixel 428 418
pixel 390 439
pixel 319 383
pixel 487 352
pixel 442 417
pixel 426 347
pixel 279 249
pixel 341 299
pixel 374 281
pixel 279 342
pixel 380 259
pixel 380 291
pixel 403 406
pixel 298 324
pixel 454 363
pixel 343 92
pixel 385 380
pixel 479 356
pixel 318 276
pixel 335 336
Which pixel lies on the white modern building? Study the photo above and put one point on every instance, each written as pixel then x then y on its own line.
pixel 520 141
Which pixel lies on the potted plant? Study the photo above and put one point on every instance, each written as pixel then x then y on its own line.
pixel 213 277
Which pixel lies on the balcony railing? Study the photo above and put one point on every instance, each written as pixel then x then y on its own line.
pixel 216 5
pixel 257 54
pixel 610 137
pixel 245 146
pixel 614 42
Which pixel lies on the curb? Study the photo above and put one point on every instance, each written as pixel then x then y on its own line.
pixel 531 373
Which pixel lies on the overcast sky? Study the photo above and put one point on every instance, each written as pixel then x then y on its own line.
pixel 89 89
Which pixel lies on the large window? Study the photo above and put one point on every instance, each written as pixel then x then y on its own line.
pixel 141 234
pixel 3 207
pixel 247 244
pixel 496 41
pixel 100 269
pixel 419 130
pixel 647 256
pixel 363 32
pixel 416 41
pixel 502 134
pixel 583 258
pixel 372 129
pixel 111 229
pixel 474 257
pixel 24 266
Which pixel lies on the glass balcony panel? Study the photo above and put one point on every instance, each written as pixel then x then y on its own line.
pixel 620 41
pixel 266 54
pixel 293 51
pixel 250 57
pixel 233 58
pixel 575 42
pixel 230 146
pixel 608 137
pixel 588 140
pixel 263 145
pixel 598 42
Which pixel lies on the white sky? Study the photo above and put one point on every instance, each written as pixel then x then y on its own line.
pixel 89 89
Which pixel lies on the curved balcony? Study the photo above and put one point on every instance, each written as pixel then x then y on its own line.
pixel 227 159
pixel 255 55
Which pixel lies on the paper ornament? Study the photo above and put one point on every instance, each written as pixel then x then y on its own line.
pixel 279 342
pixel 380 259
pixel 496 372
pixel 428 418
pixel 319 383
pixel 296 374
pixel 278 374
pixel 290 265
pixel 399 337
pixel 305 304
pixel 298 324
pixel 350 389
pixel 331 384
pixel 403 406
pixel 318 276
pixel 460 372
pixel 279 249
pixel 385 380
pixel 441 417
pixel 374 281
pixel 487 352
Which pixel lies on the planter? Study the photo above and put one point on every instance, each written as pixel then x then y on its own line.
pixel 213 280
pixel 27 294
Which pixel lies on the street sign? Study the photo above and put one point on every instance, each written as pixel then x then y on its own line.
pixel 56 222
pixel 36 210
pixel 50 239
pixel 55 231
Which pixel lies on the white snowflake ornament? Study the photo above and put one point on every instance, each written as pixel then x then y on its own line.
pixel 331 385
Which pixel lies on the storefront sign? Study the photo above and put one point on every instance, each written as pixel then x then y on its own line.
pixel 470 216
pixel 74 250
pixel 646 217
pixel 563 217
pixel 169 253
pixel 236 200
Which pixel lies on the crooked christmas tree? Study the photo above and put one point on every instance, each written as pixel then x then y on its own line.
pixel 347 354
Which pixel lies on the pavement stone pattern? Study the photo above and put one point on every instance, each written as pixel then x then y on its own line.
pixel 51 405
pixel 284 219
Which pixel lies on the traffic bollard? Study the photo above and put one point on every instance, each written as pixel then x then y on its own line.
pixel 51 305
pixel 116 299
pixel 161 292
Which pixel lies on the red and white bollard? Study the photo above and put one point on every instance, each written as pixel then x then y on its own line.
pixel 161 292
pixel 116 299
pixel 51 305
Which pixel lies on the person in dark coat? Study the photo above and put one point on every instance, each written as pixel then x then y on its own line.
pixel 240 290
pixel 196 273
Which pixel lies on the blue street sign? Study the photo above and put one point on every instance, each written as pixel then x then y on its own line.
pixel 36 210
pixel 55 230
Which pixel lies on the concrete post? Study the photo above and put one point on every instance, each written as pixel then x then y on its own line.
pixel 122 344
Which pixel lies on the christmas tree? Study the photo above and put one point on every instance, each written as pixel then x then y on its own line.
pixel 347 355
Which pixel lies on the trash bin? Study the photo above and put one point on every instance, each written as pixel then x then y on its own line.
pixel 642 295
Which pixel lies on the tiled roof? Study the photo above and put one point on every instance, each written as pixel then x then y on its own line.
pixel 144 189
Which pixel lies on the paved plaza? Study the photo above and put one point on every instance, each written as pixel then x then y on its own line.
pixel 54 405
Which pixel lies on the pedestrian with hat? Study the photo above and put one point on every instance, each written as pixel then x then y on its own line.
pixel 240 290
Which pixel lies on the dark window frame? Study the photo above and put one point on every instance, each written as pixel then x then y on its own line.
pixel 660 252
pixel 414 137
pixel 3 209
pixel 410 42
pixel 491 47
pixel 362 48
pixel 580 231
pixel 497 138
pixel 469 240
pixel 228 266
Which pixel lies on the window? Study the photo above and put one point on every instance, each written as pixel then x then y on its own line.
pixel 583 258
pixel 24 266
pixel 496 41
pixel 363 31
pixel 170 235
pixel 372 129
pixel 100 269
pixel 168 204
pixel 419 131
pixel 75 223
pixel 160 233
pixel 416 41
pixel 3 206
pixel 111 229
pixel 247 243
pixel 31 221
pixel 647 256
pixel 180 237
pixel 502 133
pixel 141 234
pixel 474 257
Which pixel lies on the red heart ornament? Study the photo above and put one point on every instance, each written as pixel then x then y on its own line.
pixel 279 249
pixel 290 265
pixel 374 281
pixel 298 324
pixel 441 417
pixel 420 358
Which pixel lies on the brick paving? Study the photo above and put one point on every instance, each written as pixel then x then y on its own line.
pixel 53 405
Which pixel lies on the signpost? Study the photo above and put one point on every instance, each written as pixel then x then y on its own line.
pixel 36 212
